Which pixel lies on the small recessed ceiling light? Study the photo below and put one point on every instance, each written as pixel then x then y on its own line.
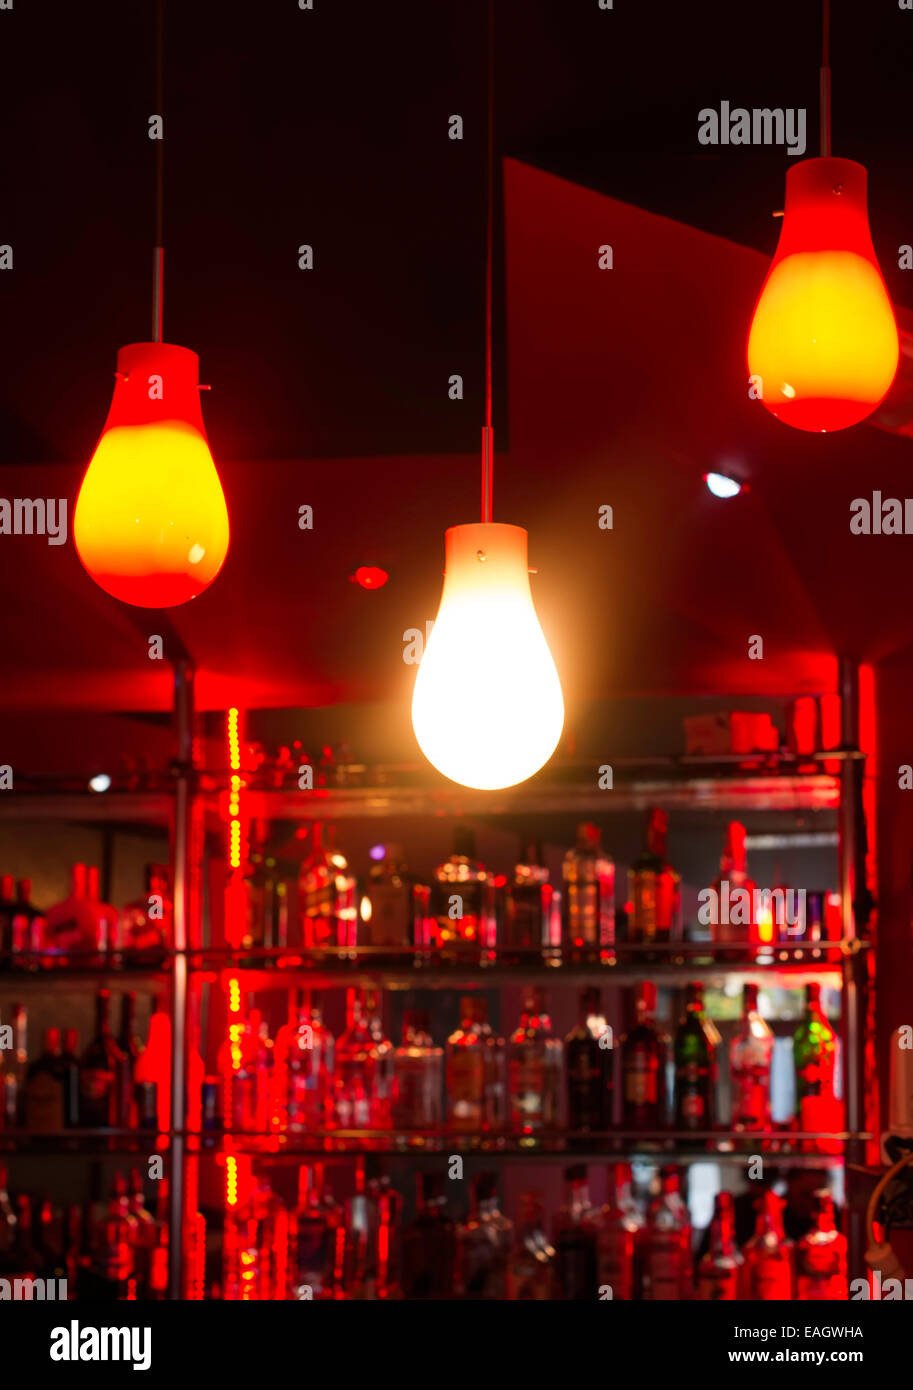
pixel 370 577
pixel 100 782
pixel 722 485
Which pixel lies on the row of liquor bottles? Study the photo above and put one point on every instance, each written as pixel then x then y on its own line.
pixel 465 906
pixel 361 1248
pixel 115 1081
pixel 82 923
pixel 112 1249
pixel 306 1081
pixel 529 1084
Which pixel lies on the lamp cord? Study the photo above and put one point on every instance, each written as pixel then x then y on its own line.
pixel 158 250
pixel 824 81
pixel 487 434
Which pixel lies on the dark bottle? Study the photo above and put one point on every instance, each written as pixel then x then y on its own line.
pixel 131 1050
pixel 694 1066
pixel 98 1075
pixel 719 1274
pixel 814 1054
pixel 312 1235
pixel 576 1260
pixel 531 1271
pixel 49 1243
pixel 484 1243
pixel 394 908
pixel 27 923
pixel 589 897
pixel 618 1236
pixel 589 1068
pixel 654 887
pixel 643 1068
pixel 45 1088
pixel 428 1250
pixel 8 1223
pixel 7 913
pixel 69 1066
pixel 463 899
pixel 26 1260
pixel 527 920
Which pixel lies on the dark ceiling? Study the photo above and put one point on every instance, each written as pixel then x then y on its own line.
pixel 330 387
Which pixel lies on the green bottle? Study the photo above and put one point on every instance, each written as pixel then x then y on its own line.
pixel 814 1052
pixel 694 1066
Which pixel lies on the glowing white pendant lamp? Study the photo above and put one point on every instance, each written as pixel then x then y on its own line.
pixel 487 707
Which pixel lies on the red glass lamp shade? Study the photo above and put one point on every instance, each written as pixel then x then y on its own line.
pixel 823 339
pixel 151 524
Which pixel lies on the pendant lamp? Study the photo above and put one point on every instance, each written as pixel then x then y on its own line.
pixel 487 707
pixel 823 347
pixel 151 524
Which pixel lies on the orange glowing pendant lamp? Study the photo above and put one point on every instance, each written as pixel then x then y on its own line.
pixel 151 524
pixel 823 347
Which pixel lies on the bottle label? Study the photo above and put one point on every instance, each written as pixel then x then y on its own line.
pixel 771 1280
pixel 664 1273
pixel 44 1103
pixel 641 1078
pixel 466 1086
pixel 718 1284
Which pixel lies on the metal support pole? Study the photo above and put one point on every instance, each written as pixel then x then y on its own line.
pixel 183 715
pixel 852 879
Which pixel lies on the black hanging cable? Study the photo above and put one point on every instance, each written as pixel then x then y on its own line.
pixel 824 81
pixel 158 250
pixel 487 433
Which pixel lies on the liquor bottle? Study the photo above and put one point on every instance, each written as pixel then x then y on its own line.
pixel 145 1235
pixel 75 1255
pixel 7 913
pixel 110 1272
pixel 474 1067
pixel 463 899
pixel 22 1260
pixel 255 1248
pixel 749 1064
pixel 309 1071
pixel 8 1221
pixel 526 927
pixel 821 1260
pixel 484 1242
pixel 382 1063
pixel 153 1067
pixel 667 1243
pixel 13 1069
pixel 353 1082
pixel 589 1063
pixel 429 1243
pixel 654 888
pixel 694 1066
pixel 49 1244
pixel 815 1056
pixel 312 1238
pixel 417 1076
pixel 618 1235
pixel 131 1051
pixel 99 1070
pixel 589 897
pixel 69 1068
pixel 768 1254
pixel 719 1272
pixel 104 918
pixel 534 1069
pixel 732 906
pixel 44 1091
pixel 397 905
pixel 69 923
pixel 576 1263
pixel 531 1270
pixel 28 924
pixel 326 895
pixel 386 1231
pixel 643 1067
pixel 145 925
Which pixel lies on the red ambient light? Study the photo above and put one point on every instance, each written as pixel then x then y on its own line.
pixel 370 577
